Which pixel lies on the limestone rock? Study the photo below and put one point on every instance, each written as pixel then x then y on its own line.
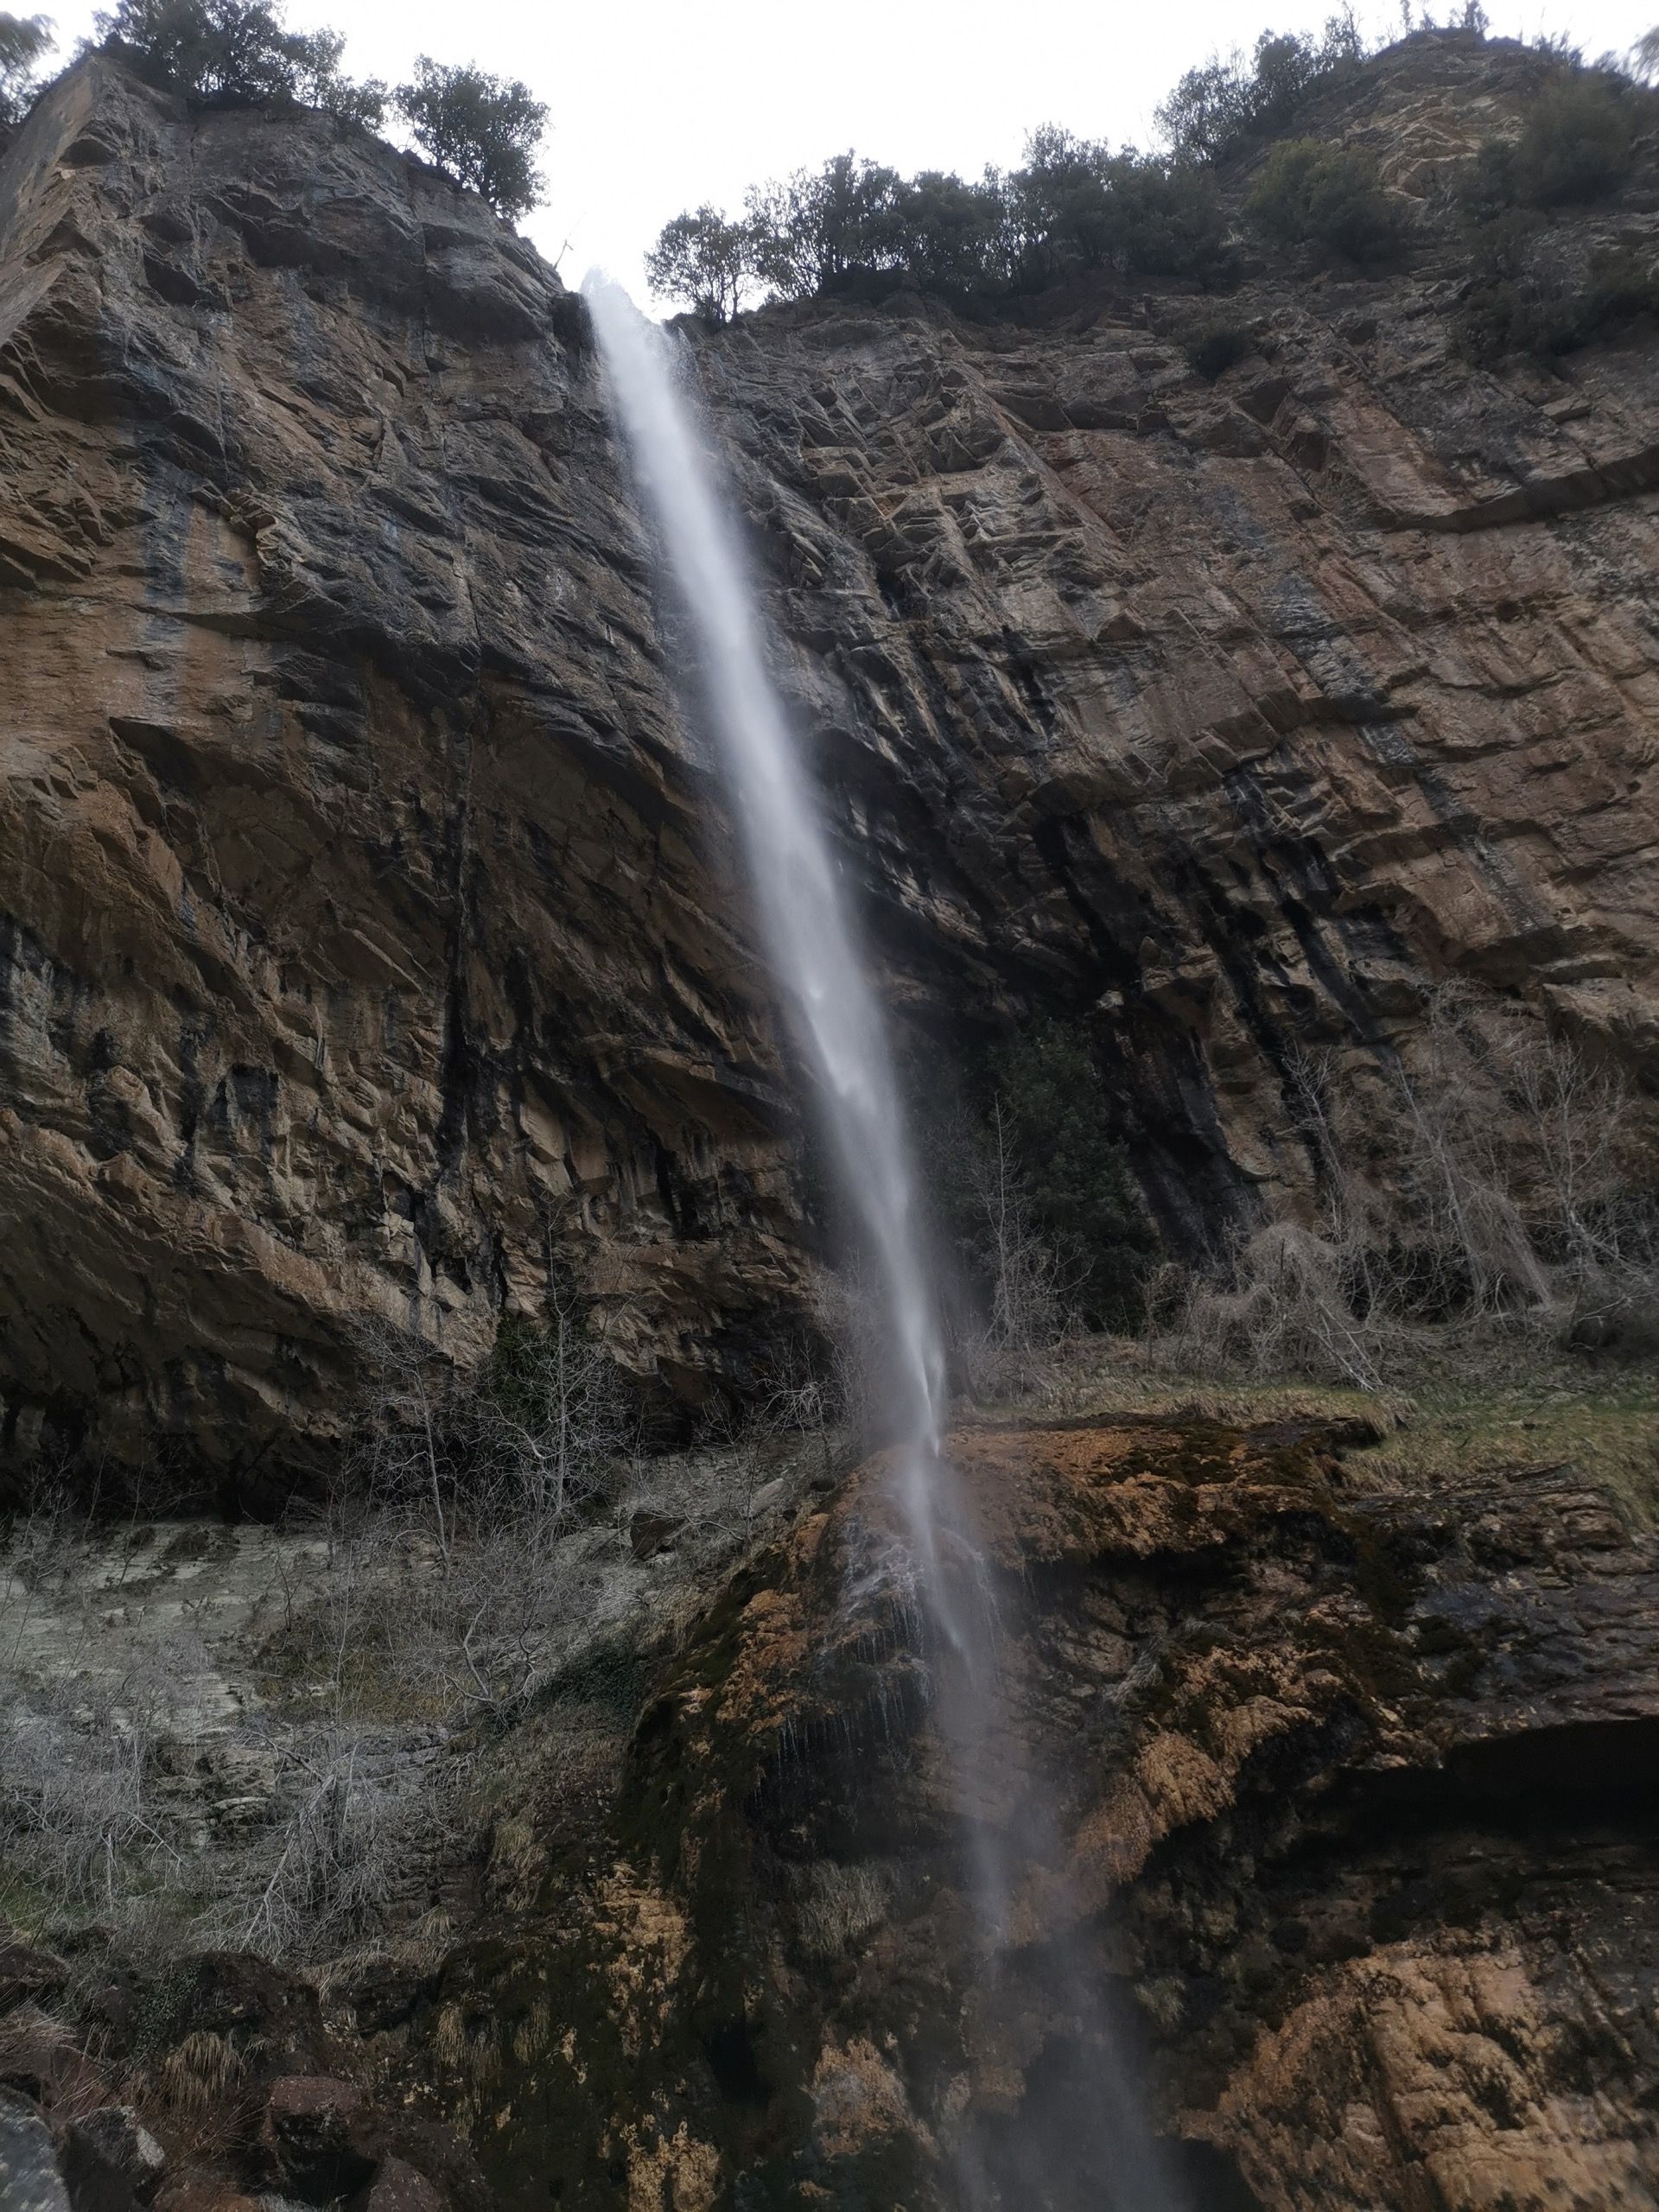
pixel 1346 1875
pixel 366 941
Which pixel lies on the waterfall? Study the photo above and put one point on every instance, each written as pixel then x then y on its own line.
pixel 804 919
pixel 812 944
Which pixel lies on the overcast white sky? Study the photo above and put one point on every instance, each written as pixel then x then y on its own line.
pixel 660 105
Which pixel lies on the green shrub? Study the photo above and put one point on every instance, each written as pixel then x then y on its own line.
pixel 25 41
pixel 1073 209
pixel 1226 104
pixel 1552 314
pixel 480 129
pixel 956 236
pixel 235 52
pixel 1577 144
pixel 1216 346
pixel 821 226
pixel 1577 141
pixel 1309 193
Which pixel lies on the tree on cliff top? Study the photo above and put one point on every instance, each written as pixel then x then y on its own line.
pixel 235 52
pixel 705 258
pixel 25 40
pixel 1220 106
pixel 480 129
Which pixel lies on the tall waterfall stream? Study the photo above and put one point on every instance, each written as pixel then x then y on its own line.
pixel 812 946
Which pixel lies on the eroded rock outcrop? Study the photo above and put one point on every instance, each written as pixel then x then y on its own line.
pixel 370 946
pixel 1245 710
pixel 1352 1809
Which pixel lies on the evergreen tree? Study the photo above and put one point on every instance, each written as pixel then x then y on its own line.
pixel 480 129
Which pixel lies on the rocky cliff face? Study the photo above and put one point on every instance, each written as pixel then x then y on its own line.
pixel 369 941
pixel 1338 1885
pixel 364 938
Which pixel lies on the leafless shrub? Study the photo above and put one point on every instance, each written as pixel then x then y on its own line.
pixel 1486 1188
pixel 445 1583
pixel 406 1461
pixel 1279 1308
pixel 450 1571
pixel 840 1906
pixel 1003 1350
pixel 80 1809
pixel 554 1419
pixel 356 1813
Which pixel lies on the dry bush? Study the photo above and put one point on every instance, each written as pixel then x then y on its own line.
pixel 467 1552
pixel 82 1813
pixel 1002 1347
pixel 201 2074
pixel 840 1905
pixel 1494 1189
pixel 451 1582
pixel 354 1816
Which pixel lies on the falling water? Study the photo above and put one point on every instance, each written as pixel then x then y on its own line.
pixel 803 915
pixel 810 941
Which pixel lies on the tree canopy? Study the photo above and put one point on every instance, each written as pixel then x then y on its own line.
pixel 25 41
pixel 238 52
pixel 1228 101
pixel 480 129
pixel 705 258
pixel 1074 208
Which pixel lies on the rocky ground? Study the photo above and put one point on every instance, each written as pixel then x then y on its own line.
pixel 1351 1816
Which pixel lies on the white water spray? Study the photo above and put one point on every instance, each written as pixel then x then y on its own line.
pixel 810 941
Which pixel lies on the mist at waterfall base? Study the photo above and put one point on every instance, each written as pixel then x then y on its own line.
pixel 1077 2138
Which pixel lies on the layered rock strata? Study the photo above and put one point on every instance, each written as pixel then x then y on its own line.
pixel 369 943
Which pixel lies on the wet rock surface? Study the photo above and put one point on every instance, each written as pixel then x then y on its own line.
pixel 368 946
pixel 1351 1817
pixel 1326 1825
pixel 370 942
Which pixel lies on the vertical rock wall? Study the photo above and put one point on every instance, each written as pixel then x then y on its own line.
pixel 369 941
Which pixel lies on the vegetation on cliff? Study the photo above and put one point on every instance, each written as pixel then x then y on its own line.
pixel 1306 192
pixel 480 129
pixel 1235 169
pixel 456 1643
pixel 236 54
pixel 25 41
pixel 1577 146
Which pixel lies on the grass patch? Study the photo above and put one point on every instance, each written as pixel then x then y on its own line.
pixel 1444 1428
pixel 1608 1433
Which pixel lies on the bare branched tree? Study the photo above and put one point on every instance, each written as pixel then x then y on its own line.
pixel 1492 1183
pixel 1002 1350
